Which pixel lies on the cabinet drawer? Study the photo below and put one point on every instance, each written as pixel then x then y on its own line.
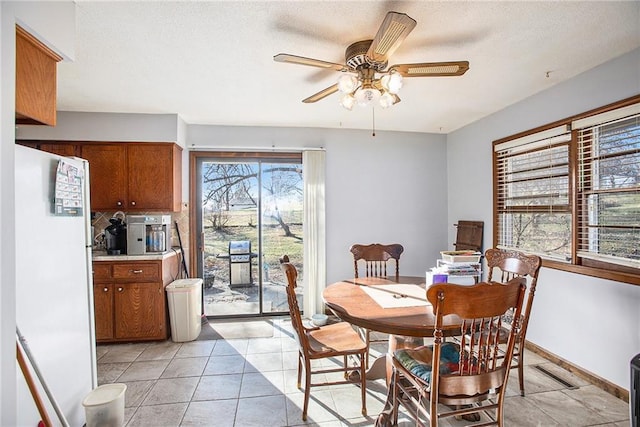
pixel 137 271
pixel 101 271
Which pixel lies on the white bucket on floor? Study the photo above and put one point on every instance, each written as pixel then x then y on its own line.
pixel 104 406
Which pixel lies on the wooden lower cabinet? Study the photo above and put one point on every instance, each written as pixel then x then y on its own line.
pixel 140 311
pixel 103 311
pixel 130 300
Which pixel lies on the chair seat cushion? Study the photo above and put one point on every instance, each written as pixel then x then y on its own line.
pixel 418 360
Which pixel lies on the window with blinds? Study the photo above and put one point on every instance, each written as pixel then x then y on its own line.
pixel 571 192
pixel 608 192
pixel 532 194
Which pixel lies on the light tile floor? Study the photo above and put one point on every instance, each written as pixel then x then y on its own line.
pixel 252 382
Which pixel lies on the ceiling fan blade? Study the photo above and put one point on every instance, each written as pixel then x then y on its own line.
pixel 432 69
pixel 322 94
pixel 393 30
pixel 293 59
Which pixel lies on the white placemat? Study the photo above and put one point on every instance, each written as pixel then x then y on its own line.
pixel 397 295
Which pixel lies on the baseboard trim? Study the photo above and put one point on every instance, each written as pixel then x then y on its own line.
pixel 594 379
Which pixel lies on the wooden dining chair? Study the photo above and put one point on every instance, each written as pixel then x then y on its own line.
pixel 468 376
pixel 374 260
pixel 507 265
pixel 333 340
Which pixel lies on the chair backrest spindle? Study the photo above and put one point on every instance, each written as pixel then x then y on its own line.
pixel 516 264
pixel 375 258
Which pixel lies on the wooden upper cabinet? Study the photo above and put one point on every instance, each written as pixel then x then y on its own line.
pixel 134 176
pixel 155 177
pixel 68 149
pixel 35 80
pixel 60 149
pixel 107 175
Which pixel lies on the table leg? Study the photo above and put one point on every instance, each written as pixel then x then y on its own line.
pixel 396 342
pixel 378 369
pixel 381 366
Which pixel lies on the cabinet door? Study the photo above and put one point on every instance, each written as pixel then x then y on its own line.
pixel 60 149
pixel 103 310
pixel 139 311
pixel 152 177
pixel 35 80
pixel 107 175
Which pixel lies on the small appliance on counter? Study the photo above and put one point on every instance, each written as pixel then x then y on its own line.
pixel 148 234
pixel 116 236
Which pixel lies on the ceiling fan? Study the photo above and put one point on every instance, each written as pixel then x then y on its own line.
pixel 366 80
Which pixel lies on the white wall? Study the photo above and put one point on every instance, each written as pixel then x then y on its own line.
pixel 87 126
pixel 37 17
pixel 601 308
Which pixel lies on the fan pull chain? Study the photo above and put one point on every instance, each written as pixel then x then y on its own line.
pixel 373 115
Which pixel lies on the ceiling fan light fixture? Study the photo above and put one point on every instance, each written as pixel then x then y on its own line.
pixel 387 100
pixel 391 82
pixel 365 78
pixel 347 83
pixel 367 96
pixel 347 101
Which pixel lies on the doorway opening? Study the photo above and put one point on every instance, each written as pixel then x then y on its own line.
pixel 249 213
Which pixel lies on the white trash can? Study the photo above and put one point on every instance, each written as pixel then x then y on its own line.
pixel 185 315
pixel 104 406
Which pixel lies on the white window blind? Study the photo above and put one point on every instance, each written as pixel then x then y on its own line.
pixel 532 193
pixel 609 187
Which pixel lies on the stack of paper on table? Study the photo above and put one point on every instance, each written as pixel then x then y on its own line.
pixel 397 295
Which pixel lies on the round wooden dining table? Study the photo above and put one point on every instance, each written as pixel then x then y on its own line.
pixel 407 323
pixel 349 300
pixel 368 302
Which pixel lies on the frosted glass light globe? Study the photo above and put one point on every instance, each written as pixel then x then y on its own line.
pixel 387 100
pixel 347 83
pixel 348 101
pixel 368 96
pixel 391 82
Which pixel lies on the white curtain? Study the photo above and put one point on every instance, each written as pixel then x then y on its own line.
pixel 314 259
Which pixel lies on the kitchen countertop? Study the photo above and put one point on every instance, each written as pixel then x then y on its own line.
pixel 103 256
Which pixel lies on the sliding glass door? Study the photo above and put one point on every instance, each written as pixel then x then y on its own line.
pixel 249 215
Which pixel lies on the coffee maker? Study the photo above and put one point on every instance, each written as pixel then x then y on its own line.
pixel 148 234
pixel 115 236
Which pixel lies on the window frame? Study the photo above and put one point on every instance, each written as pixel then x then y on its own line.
pixel 576 264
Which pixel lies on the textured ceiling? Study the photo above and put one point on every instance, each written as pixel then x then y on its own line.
pixel 211 62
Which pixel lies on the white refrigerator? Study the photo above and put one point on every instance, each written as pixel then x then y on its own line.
pixel 54 288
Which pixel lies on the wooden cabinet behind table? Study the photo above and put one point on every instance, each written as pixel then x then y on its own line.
pixel 129 299
pixel 35 80
pixel 134 176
